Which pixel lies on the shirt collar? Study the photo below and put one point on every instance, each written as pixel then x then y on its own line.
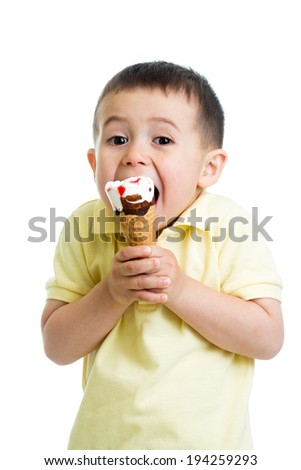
pixel 195 215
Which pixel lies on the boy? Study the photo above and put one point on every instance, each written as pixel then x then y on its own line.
pixel 169 332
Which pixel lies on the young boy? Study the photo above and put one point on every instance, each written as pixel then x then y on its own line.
pixel 170 331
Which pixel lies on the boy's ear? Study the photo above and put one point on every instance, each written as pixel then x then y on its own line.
pixel 92 160
pixel 214 162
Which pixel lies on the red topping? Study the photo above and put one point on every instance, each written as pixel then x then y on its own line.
pixel 121 190
pixel 136 181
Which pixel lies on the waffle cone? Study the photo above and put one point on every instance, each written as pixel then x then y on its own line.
pixel 139 229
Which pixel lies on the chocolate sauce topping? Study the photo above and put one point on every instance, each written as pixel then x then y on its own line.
pixel 139 208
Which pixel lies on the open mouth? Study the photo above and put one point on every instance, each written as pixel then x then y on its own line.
pixel 157 194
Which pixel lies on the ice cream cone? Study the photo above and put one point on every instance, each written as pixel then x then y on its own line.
pixel 133 203
pixel 139 229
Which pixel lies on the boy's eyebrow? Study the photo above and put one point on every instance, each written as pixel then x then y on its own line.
pixel 113 118
pixel 155 118
pixel 165 120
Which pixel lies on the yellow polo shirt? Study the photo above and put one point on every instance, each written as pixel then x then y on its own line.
pixel 155 383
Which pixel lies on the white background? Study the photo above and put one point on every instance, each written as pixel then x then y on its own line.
pixel 56 56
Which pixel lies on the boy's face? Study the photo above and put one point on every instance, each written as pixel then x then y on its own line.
pixel 149 133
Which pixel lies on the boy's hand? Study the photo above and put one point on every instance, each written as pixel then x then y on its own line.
pixel 141 273
pixel 170 269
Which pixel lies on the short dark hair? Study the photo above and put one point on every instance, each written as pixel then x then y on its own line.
pixel 171 77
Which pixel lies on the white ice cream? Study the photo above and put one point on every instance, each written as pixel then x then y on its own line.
pixel 142 185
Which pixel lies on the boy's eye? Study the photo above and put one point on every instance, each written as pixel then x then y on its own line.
pixel 162 140
pixel 117 140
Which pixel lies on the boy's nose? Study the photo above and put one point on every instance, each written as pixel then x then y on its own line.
pixel 136 156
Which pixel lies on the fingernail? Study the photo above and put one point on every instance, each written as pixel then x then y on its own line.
pixel 166 282
pixel 164 298
pixel 147 250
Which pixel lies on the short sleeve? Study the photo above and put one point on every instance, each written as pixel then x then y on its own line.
pixel 72 278
pixel 247 268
